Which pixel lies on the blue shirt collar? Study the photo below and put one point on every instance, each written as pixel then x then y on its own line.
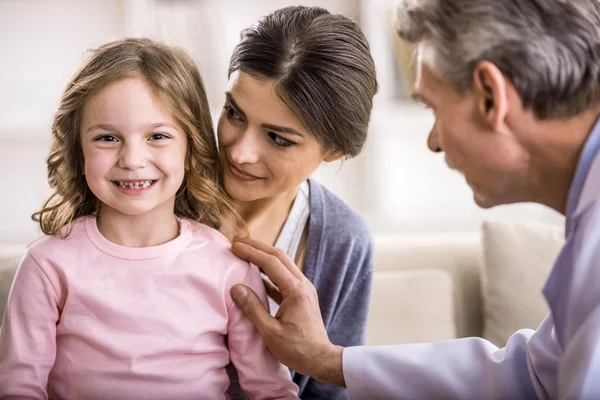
pixel 590 149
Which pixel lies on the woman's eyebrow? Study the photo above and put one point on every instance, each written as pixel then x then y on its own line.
pixel 234 104
pixel 282 129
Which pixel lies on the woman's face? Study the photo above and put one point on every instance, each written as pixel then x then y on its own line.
pixel 264 148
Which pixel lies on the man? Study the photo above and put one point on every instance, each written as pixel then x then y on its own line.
pixel 515 88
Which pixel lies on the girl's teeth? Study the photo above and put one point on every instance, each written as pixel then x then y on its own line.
pixel 135 185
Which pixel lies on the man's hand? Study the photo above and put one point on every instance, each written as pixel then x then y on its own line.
pixel 296 336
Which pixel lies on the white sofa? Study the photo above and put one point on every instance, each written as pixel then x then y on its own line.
pixel 441 286
pixel 445 286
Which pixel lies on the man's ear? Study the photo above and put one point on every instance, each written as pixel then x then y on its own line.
pixel 334 156
pixel 490 87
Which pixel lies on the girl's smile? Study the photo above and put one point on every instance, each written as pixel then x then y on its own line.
pixel 134 187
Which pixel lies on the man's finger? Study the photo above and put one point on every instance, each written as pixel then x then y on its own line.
pixel 269 264
pixel 251 306
pixel 272 291
pixel 280 254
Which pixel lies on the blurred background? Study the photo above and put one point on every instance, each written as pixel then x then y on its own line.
pixel 396 183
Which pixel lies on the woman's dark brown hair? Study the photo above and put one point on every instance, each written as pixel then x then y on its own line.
pixel 322 68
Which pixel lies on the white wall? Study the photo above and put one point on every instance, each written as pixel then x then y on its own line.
pixel 41 43
pixel 411 189
pixel 210 29
pixel 396 183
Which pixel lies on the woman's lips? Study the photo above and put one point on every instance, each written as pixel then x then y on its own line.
pixel 240 174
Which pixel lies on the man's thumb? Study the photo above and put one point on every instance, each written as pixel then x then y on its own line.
pixel 251 306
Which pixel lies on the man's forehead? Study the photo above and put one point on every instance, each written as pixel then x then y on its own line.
pixel 422 79
pixel 427 83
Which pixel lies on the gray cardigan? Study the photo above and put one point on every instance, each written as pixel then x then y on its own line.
pixel 339 263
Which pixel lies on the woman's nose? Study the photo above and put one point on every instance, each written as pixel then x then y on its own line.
pixel 246 148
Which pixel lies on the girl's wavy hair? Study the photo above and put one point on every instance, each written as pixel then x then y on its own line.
pixel 175 80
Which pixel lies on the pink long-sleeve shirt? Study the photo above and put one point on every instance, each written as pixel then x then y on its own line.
pixel 90 319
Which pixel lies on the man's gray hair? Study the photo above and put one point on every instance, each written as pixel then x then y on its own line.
pixel 549 49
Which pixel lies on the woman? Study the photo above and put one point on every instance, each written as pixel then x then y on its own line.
pixel 301 87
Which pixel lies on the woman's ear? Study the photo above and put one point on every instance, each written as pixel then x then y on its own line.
pixel 334 156
pixel 490 87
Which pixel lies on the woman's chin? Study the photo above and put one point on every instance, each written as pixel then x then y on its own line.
pixel 239 192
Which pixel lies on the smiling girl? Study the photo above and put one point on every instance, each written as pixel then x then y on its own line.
pixel 127 297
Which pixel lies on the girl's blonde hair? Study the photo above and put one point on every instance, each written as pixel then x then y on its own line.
pixel 174 78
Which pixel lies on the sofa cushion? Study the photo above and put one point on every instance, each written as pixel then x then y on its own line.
pixel 518 257
pixel 457 254
pixel 411 306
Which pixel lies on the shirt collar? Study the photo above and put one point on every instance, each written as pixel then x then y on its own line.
pixel 590 149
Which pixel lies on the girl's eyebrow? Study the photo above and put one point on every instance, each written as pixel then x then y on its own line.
pixel 161 125
pixel 105 127
pixel 109 127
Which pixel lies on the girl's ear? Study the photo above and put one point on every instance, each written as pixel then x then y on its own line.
pixel 187 163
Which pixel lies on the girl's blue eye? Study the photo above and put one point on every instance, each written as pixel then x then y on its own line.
pixel 280 141
pixel 159 136
pixel 106 138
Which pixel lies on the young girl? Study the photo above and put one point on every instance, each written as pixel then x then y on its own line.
pixel 127 297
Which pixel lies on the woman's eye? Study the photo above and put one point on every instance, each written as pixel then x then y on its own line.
pixel 280 141
pixel 158 136
pixel 231 113
pixel 106 138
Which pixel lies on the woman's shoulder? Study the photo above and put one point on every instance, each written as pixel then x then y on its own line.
pixel 334 217
pixel 339 245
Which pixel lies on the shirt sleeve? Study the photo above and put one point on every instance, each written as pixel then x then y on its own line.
pixel 261 375
pixel 470 368
pixel 28 333
pixel 560 360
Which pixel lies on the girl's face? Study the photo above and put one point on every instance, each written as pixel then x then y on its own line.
pixel 134 150
pixel 264 148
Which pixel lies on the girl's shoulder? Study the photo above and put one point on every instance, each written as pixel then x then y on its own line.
pixel 213 240
pixel 70 236
pixel 201 232
pixel 50 251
